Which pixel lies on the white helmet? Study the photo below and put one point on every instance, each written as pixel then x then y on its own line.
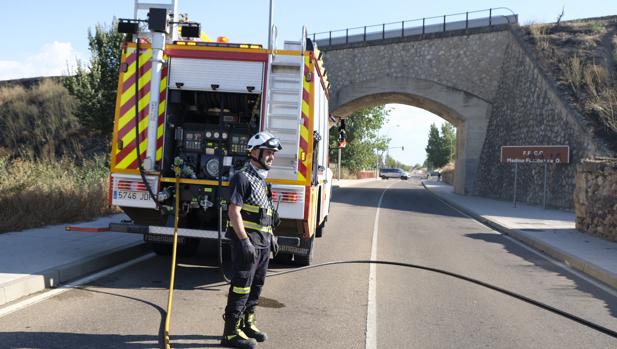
pixel 263 140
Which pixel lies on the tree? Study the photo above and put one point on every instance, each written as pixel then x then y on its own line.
pixel 437 155
pixel 95 85
pixel 448 135
pixel 393 163
pixel 363 141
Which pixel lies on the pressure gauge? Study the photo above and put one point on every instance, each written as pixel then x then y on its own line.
pixel 212 167
pixel 216 134
pixel 208 134
pixel 224 135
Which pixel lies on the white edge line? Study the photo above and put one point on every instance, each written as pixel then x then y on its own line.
pixel 371 312
pixel 556 262
pixel 54 292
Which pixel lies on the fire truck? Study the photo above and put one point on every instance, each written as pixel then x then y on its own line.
pixel 187 106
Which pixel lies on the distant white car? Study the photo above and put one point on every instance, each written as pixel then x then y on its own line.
pixel 385 173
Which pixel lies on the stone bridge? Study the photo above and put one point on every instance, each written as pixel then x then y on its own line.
pixel 484 80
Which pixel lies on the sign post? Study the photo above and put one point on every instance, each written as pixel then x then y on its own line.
pixel 515 180
pixel 339 164
pixel 535 154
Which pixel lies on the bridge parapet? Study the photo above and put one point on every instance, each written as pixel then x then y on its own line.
pixel 488 18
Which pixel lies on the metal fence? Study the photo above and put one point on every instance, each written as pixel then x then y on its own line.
pixel 421 26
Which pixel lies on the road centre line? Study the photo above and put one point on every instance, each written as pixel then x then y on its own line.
pixel 54 292
pixel 371 313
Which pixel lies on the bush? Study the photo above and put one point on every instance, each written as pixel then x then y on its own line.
pixel 447 173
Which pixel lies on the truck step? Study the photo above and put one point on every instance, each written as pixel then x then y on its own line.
pixel 285 104
pixel 285 91
pixel 286 77
pixel 285 116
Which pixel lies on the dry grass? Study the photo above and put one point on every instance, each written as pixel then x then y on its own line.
pixel 39 122
pixel 37 193
pixel 584 59
pixel 539 33
pixel 447 173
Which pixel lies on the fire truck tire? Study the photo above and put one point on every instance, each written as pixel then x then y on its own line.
pixel 320 228
pixel 306 260
pixel 283 258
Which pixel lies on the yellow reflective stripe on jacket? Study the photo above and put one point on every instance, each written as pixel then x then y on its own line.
pixel 255 209
pixel 250 208
pixel 258 227
pixel 241 290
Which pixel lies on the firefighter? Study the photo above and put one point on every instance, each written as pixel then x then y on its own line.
pixel 251 215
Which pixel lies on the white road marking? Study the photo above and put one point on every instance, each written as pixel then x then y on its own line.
pixel 371 313
pixel 54 292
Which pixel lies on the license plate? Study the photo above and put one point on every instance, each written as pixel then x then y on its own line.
pixel 132 195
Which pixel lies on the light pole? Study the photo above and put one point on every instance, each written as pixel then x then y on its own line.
pixel 388 152
pixel 381 158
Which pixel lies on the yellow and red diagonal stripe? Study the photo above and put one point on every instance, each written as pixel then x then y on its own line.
pixel 124 155
pixel 303 155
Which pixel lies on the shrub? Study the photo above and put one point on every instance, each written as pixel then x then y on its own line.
pixel 39 122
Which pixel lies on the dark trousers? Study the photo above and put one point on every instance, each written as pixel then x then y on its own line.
pixel 247 281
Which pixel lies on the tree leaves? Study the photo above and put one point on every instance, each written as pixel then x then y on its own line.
pixel 95 85
pixel 363 140
pixel 441 147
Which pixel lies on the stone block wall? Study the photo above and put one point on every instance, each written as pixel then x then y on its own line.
pixel 528 110
pixel 470 63
pixel 596 198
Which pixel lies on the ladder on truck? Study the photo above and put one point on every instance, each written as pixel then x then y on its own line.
pixel 284 108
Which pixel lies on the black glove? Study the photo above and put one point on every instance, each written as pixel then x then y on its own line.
pixel 248 251
pixel 274 245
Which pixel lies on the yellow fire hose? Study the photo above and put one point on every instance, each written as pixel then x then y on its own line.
pixel 173 260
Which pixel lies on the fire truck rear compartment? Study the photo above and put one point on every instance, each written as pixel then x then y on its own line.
pixel 208 130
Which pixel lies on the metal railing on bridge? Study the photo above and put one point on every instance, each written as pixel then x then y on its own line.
pixel 428 25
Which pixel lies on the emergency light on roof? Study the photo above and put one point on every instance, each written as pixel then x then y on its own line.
pixel 218 44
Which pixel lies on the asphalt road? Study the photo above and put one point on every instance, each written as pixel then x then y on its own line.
pixel 327 307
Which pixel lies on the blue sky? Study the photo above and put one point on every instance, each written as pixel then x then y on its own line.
pixel 45 37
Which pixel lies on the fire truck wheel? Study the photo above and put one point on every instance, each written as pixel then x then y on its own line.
pixel 308 259
pixel 320 228
pixel 283 258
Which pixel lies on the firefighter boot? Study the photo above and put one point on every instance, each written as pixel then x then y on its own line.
pixel 249 327
pixel 234 337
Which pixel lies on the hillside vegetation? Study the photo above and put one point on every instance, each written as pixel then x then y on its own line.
pixel 48 173
pixel 581 56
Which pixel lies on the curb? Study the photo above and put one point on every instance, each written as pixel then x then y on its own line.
pixel 55 276
pixel 575 262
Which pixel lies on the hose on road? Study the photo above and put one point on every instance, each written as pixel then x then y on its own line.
pixel 528 300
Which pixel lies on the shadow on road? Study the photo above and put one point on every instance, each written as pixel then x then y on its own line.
pixel 60 340
pixel 609 300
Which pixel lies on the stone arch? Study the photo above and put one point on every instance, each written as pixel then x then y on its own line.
pixel 469 113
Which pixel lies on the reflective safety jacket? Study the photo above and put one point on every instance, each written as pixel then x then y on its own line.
pixel 257 209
